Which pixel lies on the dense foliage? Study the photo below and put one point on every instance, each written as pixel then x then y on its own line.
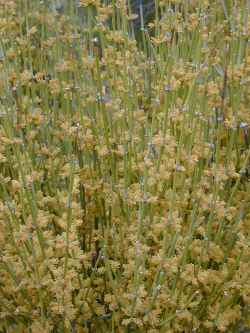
pixel 125 167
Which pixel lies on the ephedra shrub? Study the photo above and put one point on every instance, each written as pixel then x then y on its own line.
pixel 124 159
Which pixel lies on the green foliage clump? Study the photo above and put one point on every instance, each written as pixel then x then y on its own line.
pixel 124 167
